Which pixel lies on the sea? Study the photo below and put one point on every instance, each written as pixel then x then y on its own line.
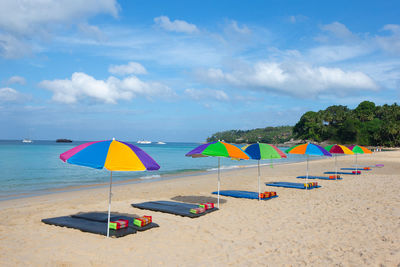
pixel 29 169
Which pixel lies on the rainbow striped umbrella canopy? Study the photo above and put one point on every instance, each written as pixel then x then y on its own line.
pixel 309 149
pixel 112 155
pixel 339 149
pixel 261 151
pixel 359 149
pixel 217 149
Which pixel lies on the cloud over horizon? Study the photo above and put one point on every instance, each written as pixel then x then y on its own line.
pixel 175 26
pixel 16 80
pixel 130 68
pixel 82 86
pixel 206 94
pixel 111 58
pixel 22 22
pixel 297 79
pixel 10 95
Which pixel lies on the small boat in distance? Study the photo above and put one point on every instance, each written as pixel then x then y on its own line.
pixel 161 143
pixel 27 141
pixel 143 142
pixel 63 140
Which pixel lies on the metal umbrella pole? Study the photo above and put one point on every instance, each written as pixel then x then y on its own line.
pixel 219 183
pixel 109 207
pixel 356 164
pixel 259 190
pixel 307 174
pixel 335 167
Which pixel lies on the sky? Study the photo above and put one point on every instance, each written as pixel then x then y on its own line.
pixel 183 70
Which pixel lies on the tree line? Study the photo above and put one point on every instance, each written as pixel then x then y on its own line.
pixel 271 135
pixel 367 125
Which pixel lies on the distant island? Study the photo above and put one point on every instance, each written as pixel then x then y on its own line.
pixel 63 141
pixel 367 125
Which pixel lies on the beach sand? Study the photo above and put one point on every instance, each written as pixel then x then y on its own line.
pixel 352 222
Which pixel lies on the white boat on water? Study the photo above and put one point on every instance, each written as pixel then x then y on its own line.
pixel 28 141
pixel 143 142
pixel 161 143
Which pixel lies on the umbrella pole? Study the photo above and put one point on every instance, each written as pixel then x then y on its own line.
pixel 356 164
pixel 219 183
pixel 335 167
pixel 307 174
pixel 109 207
pixel 259 190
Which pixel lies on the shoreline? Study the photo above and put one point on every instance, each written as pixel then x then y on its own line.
pixel 143 179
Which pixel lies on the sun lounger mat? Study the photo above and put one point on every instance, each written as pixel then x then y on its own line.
pixel 177 208
pixel 342 173
pixel 240 194
pixel 290 185
pixel 317 177
pixel 356 169
pixel 88 226
pixel 371 166
pixel 103 217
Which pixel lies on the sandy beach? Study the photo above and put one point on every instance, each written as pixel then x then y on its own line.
pixel 351 222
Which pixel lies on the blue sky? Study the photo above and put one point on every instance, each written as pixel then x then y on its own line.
pixel 182 70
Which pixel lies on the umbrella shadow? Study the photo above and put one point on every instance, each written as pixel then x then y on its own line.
pixel 198 199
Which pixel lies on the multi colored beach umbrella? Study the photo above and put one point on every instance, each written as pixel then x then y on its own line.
pixel 308 149
pixel 217 149
pixel 112 155
pixel 359 150
pixel 338 149
pixel 261 151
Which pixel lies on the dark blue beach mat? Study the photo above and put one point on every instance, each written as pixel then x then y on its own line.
pixel 318 177
pixel 371 166
pixel 291 185
pixel 172 207
pixel 350 173
pixel 96 223
pixel 356 169
pixel 240 194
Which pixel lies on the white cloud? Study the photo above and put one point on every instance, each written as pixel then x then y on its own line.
pixel 91 31
pixel 335 53
pixel 297 18
pixel 10 95
pixel 390 43
pixel 130 68
pixel 207 94
pixel 336 32
pixel 27 17
pixel 83 86
pixel 24 21
pixel 12 47
pixel 242 30
pixel 293 78
pixel 16 80
pixel 176 25
pixel 339 30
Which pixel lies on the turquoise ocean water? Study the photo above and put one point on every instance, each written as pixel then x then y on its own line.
pixel 35 168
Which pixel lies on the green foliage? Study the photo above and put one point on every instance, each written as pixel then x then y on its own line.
pixel 367 124
pixel 271 135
